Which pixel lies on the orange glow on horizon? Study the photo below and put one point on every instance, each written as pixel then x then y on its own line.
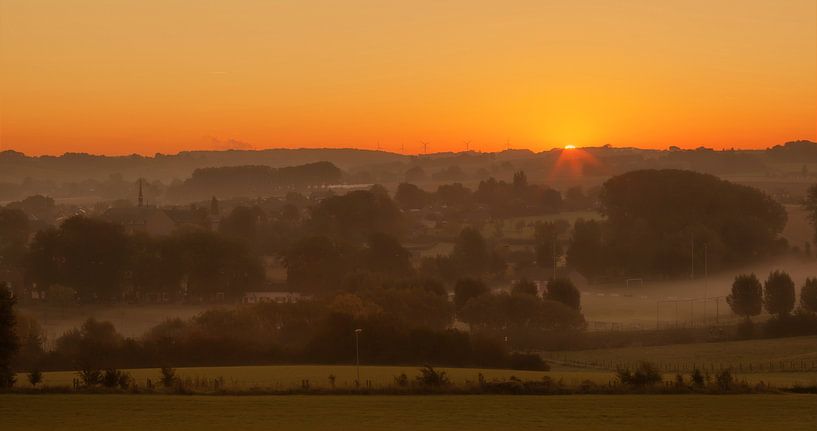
pixel 572 162
pixel 144 77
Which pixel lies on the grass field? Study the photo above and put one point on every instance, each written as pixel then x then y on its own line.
pixel 787 350
pixel 473 412
pixel 285 377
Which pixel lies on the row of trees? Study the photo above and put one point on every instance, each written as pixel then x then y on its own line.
pixel 811 208
pixel 776 295
pixel 100 262
pixel 320 331
pixel 252 180
pixel 502 199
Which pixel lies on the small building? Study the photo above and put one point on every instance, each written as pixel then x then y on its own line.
pixel 277 297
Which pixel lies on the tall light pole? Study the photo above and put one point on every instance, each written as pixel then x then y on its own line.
pixel 357 355
pixel 706 278
pixel 692 259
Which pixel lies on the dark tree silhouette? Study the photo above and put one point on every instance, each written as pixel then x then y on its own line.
pixel 808 295
pixel 562 290
pixel 654 215
pixel 586 253
pixel 811 207
pixel 746 298
pixel 384 254
pixel 779 293
pixel 8 338
pixel 525 287
pixel 467 289
pixel 409 196
pixel 15 229
pixel 317 264
pixel 356 215
pixel 88 255
pixel 471 252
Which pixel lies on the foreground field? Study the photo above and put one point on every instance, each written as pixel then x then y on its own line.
pixel 478 412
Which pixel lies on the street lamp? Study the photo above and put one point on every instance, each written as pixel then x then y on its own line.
pixel 357 355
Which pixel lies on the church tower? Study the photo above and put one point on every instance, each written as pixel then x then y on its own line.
pixel 141 196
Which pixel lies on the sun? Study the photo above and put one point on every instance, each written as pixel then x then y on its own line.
pixel 570 147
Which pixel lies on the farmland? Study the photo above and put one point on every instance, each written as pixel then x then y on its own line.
pixel 588 412
pixel 794 352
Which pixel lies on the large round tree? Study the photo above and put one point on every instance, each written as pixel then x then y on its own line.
pixel 778 293
pixel 746 298
pixel 659 221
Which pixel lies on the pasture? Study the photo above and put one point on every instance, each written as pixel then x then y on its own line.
pixel 473 412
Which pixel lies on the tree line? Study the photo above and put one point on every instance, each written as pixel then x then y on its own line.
pixel 777 295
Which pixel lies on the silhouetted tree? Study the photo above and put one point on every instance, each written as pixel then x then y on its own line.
pixel 811 208
pixel 562 290
pixel 415 174
pixel 648 229
pixel 547 246
pixel 453 195
pixel 8 337
pixel 808 295
pixel 88 255
pixel 384 254
pixel 356 215
pixel 317 264
pixel 39 207
pixel 244 224
pixel 157 265
pixel 779 293
pixel 409 196
pixel 467 289
pixel 746 298
pixel 471 252
pixel 525 287
pixel 586 253
pixel 35 377
pixel 15 229
pixel 215 265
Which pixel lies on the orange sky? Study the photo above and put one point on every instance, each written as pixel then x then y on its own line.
pixel 146 76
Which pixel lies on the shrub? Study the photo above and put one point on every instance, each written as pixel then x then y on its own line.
pixel 430 377
pixel 697 378
pixel 90 376
pixel 401 380
pixel 644 375
pixel 725 380
pixel 35 377
pixel 168 377
pixel 113 378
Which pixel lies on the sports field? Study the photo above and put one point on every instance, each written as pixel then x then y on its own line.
pixel 472 412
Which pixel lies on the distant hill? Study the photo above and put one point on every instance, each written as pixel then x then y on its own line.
pixel 94 177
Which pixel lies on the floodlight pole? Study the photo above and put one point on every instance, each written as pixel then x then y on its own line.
pixel 706 278
pixel 357 355
pixel 692 260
